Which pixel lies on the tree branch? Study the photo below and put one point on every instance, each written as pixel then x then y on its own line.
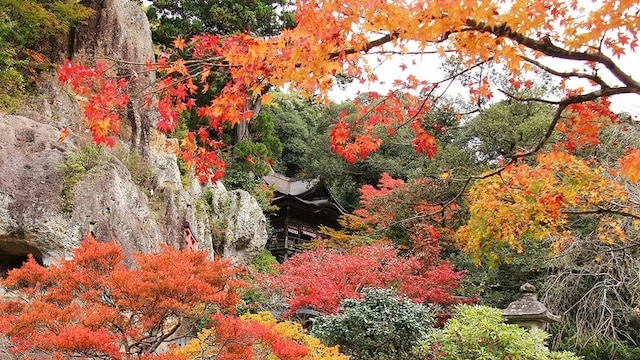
pixel 602 211
pixel 548 48
pixel 368 46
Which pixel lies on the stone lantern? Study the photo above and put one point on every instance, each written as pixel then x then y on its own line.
pixel 527 311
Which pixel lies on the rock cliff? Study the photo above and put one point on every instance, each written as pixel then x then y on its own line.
pixel 53 193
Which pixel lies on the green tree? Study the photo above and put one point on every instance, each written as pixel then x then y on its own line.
pixel 185 18
pixel 381 326
pixel 24 24
pixel 505 127
pixel 298 124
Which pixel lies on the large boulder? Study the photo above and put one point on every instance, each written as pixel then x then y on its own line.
pixel 242 222
pixel 30 187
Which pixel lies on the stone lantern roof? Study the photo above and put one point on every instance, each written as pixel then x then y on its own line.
pixel 528 311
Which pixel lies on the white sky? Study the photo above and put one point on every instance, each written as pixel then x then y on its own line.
pixel 427 68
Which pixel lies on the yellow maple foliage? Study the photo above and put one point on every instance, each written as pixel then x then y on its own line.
pixel 211 343
pixel 294 331
pixel 535 202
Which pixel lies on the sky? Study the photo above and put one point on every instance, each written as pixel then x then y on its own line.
pixel 427 67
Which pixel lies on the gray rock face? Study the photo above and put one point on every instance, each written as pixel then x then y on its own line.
pixel 119 34
pixel 239 213
pixel 109 205
pixel 30 187
pixel 106 201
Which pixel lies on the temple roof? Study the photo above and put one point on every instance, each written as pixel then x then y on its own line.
pixel 311 193
pixel 288 186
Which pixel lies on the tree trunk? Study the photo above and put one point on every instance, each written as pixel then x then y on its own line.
pixel 241 130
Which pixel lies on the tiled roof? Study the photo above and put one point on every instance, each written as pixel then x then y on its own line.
pixel 287 186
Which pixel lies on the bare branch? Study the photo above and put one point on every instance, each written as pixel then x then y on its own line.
pixel 596 79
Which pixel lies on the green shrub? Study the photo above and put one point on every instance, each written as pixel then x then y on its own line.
pixel 480 333
pixel 381 326
pixel 264 262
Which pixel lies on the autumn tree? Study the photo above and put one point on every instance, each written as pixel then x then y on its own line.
pixel 533 190
pixel 257 336
pixel 322 278
pixel 416 214
pixel 333 40
pixel 93 306
pixel 39 20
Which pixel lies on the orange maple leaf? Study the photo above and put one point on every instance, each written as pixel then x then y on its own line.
pixel 63 134
pixel 179 43
pixel 630 165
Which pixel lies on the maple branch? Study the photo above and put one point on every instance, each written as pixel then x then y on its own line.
pixel 427 216
pixel 421 52
pixel 601 210
pixel 219 61
pixel 434 86
pixel 165 335
pixel 368 46
pixel 562 105
pixel 547 47
pixel 596 79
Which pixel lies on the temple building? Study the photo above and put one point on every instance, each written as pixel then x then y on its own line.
pixel 303 205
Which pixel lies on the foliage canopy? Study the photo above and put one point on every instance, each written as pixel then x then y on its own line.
pixel 93 306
